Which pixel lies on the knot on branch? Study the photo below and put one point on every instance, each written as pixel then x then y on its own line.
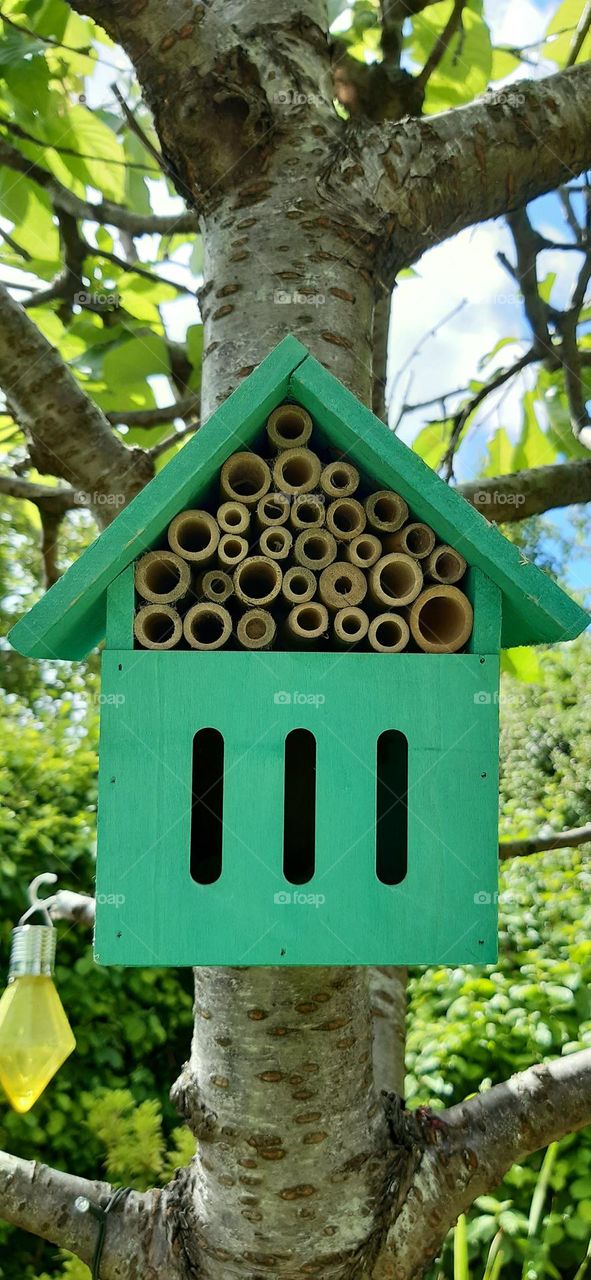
pixel 202 1122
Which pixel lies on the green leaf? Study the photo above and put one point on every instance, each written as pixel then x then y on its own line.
pixel 500 454
pixel 431 443
pixel 461 1268
pixel 465 69
pixel 534 449
pixel 561 31
pixel 523 664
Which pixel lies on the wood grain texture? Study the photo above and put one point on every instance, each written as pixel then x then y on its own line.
pixel 149 910
pixel 120 610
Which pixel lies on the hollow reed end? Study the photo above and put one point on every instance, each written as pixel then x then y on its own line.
pixel 339 479
pixel 157 626
pixel 296 471
pixel 162 577
pixel 299 585
pixel 194 535
pixel 414 539
pixel 345 518
pixel 233 517
pixel 396 579
pixel 306 624
pixel 315 549
pixel 340 584
pixel 256 629
pixel 244 478
pixel 388 633
pixel 364 551
pixel 207 626
pixel 231 550
pixel 216 585
pixel 350 626
pixel 445 565
pixel 257 581
pixel 386 511
pixel 288 427
pixel 441 619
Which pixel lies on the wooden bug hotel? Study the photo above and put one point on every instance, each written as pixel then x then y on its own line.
pixel 299 719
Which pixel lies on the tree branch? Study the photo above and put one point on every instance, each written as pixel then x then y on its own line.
pixel 164 445
pixel 460 419
pixel 432 177
pixel 581 33
pixel 68 435
pixel 41 1200
pixel 506 499
pixel 154 417
pixel 470 1148
pixel 541 844
pixel 58 500
pixel 106 212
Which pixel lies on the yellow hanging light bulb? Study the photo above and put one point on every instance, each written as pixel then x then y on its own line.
pixel 35 1035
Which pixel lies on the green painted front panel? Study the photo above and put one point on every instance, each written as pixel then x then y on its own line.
pixel 150 912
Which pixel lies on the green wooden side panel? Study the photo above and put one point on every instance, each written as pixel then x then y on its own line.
pixel 150 911
pixel 486 601
pixel 120 611
pixel 538 611
pixel 70 619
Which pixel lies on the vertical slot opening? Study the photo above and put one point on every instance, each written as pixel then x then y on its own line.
pixel 299 811
pixel 207 806
pixel 392 807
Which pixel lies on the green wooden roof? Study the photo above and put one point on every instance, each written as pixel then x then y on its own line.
pixel 69 620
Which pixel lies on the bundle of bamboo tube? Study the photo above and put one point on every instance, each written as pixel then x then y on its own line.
pixel 300 552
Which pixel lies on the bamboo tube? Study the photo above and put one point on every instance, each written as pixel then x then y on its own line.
pixel 396 579
pixel 364 550
pixel 257 581
pixel 207 626
pixel 315 549
pixel 157 626
pixel 386 511
pixel 215 585
pixel 296 471
pixel 256 629
pixel 306 623
pixel 345 519
pixel 231 550
pixel 233 517
pixel 339 479
pixel 276 542
pixel 388 633
pixel 414 539
pixel 307 511
pixel 194 535
pixel 299 585
pixel 445 565
pixel 441 619
pixel 288 427
pixel 342 584
pixel 272 510
pixel 244 478
pixel 350 626
pixel 162 577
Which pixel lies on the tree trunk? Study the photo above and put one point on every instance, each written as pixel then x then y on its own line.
pixel 278 261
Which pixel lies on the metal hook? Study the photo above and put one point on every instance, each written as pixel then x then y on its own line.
pixel 37 903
